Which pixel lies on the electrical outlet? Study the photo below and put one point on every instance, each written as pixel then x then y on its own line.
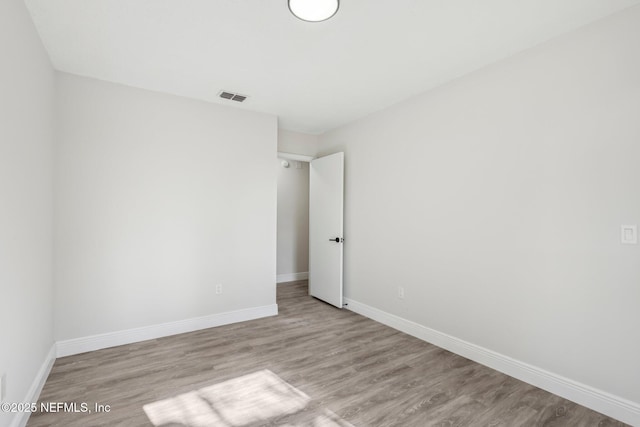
pixel 218 289
pixel 400 292
pixel 3 383
pixel 629 234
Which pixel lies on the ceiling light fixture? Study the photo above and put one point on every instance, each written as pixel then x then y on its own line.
pixel 314 10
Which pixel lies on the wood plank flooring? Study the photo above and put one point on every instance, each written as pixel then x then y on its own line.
pixel 352 370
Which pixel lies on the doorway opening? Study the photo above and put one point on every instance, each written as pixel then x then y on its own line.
pixel 293 217
pixel 310 224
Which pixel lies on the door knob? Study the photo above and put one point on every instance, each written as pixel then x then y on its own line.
pixel 337 240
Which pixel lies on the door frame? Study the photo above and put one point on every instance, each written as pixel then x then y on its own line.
pixel 307 159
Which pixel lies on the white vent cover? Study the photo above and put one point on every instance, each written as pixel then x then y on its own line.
pixel 232 96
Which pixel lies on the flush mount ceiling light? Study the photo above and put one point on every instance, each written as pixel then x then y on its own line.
pixel 314 10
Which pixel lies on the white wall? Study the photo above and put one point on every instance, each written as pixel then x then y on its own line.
pixel 159 198
pixel 26 85
pixel 293 221
pixel 497 200
pixel 297 143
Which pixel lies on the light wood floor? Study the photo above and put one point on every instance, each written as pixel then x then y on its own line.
pixel 348 369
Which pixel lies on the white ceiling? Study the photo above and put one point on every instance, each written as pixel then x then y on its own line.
pixel 314 76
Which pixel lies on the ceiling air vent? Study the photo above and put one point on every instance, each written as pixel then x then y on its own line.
pixel 232 96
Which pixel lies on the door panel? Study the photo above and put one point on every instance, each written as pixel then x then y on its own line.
pixel 326 199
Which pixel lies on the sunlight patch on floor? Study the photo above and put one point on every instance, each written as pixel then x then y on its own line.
pixel 255 398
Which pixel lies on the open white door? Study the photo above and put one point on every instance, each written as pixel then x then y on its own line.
pixel 326 195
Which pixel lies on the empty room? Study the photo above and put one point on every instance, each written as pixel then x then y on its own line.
pixel 319 213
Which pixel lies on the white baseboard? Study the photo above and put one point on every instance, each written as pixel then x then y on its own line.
pixel 33 393
pixel 112 339
pixel 598 400
pixel 292 277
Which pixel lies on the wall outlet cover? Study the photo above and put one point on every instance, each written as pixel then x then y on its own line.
pixel 629 234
